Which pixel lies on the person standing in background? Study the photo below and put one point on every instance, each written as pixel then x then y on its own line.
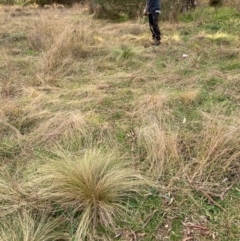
pixel 152 10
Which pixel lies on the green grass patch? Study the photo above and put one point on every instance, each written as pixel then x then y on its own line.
pixel 230 66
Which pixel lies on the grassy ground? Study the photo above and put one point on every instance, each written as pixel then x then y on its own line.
pixel 163 122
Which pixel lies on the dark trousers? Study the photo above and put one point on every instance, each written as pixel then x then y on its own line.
pixel 193 3
pixel 153 24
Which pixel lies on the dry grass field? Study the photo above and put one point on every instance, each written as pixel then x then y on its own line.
pixel 105 137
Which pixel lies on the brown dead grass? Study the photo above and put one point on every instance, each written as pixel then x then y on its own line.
pixel 61 86
pixel 210 155
pixel 218 151
pixel 189 96
pixel 160 143
pixel 61 125
pixel 29 226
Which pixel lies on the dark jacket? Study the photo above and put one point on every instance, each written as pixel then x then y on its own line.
pixel 153 5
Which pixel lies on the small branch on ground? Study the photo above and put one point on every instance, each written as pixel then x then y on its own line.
pixel 210 199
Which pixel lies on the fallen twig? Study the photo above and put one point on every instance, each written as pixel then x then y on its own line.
pixel 205 194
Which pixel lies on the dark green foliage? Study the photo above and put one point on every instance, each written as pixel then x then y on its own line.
pixel 214 3
pixel 7 2
pixel 115 8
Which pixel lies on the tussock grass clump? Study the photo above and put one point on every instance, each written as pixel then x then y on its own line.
pixel 71 44
pixel 42 35
pixel 211 154
pixel 26 226
pixel 61 43
pixel 190 96
pixel 9 147
pixel 61 125
pixel 221 38
pixel 217 149
pixel 96 186
pixel 151 103
pixel 10 111
pixel 10 136
pixel 125 52
pixel 7 89
pixel 16 195
pixel 50 25
pixel 12 193
pixel 160 144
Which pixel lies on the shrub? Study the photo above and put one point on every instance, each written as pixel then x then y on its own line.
pixel 114 8
pixel 215 2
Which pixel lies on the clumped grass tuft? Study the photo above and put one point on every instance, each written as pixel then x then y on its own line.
pixel 61 44
pixel 209 155
pixel 7 89
pixel 125 52
pixel 190 96
pixel 24 226
pixel 42 35
pixel 12 193
pixel 9 147
pixel 73 43
pixel 151 103
pixel 61 125
pixel 95 186
pixel 17 195
pixel 216 155
pixel 221 38
pixel 159 144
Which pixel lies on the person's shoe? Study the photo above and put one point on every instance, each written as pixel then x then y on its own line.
pixel 156 42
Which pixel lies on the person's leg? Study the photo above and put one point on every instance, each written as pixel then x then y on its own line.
pixel 150 18
pixel 193 3
pixel 156 29
pixel 153 24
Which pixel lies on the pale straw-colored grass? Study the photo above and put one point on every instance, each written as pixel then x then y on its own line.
pixel 217 150
pixel 61 125
pixel 209 155
pixel 189 96
pixel 68 46
pixel 12 193
pixel 151 103
pixel 27 226
pixel 96 185
pixel 160 144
